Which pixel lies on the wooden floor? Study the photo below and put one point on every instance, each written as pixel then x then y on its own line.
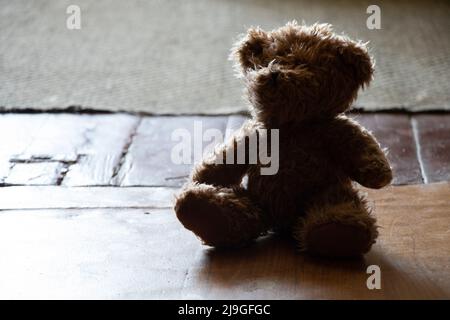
pixel 125 150
pixel 86 212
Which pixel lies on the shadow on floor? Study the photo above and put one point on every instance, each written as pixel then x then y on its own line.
pixel 273 269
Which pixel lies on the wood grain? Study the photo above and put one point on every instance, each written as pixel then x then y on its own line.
pixel 146 253
pixel 88 148
pixel 119 149
pixel 35 173
pixel 92 254
pixel 107 139
pixel 52 197
pixel 16 133
pixel 149 162
pixel 433 138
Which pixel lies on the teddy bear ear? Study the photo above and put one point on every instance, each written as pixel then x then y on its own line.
pixel 324 29
pixel 357 57
pixel 250 52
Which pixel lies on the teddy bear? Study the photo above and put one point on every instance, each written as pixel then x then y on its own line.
pixel 300 80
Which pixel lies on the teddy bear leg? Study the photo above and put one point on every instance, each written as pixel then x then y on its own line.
pixel 337 228
pixel 221 217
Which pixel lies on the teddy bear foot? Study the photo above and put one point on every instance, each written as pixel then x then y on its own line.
pixel 221 217
pixel 338 240
pixel 342 232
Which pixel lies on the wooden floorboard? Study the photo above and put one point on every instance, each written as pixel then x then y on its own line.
pixel 88 148
pixel 433 135
pixel 55 197
pixel 92 254
pixel 106 141
pixel 146 253
pixel 76 150
pixel 17 132
pixel 149 162
pixel 36 173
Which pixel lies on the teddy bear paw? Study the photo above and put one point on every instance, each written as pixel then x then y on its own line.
pixel 334 239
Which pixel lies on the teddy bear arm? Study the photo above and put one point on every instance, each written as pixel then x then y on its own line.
pixel 371 167
pixel 223 175
pixel 361 156
pixel 218 169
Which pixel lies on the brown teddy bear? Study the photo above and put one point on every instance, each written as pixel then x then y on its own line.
pixel 299 79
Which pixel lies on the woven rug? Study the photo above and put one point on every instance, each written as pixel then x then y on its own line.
pixel 170 57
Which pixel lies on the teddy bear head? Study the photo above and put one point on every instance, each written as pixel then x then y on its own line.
pixel 298 72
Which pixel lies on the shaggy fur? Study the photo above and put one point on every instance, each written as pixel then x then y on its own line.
pixel 299 79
